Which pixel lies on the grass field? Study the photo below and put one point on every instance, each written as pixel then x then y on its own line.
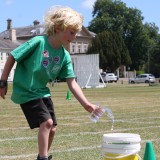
pixel 136 109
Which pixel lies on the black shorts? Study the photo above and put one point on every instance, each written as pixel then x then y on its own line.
pixel 39 110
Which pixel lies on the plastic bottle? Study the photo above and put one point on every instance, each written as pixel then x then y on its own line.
pixel 96 114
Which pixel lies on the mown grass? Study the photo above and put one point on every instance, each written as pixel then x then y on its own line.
pixel 136 109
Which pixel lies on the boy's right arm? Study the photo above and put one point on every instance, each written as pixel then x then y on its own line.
pixel 7 68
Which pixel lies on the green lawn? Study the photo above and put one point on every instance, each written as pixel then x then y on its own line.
pixel 136 109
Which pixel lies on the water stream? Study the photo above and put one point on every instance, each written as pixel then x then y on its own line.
pixel 103 110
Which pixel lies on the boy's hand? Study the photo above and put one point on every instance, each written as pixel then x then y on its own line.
pixel 99 111
pixel 3 88
pixel 3 92
pixel 95 108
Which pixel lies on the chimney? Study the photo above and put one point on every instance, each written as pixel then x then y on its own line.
pixel 12 35
pixel 9 24
pixel 36 22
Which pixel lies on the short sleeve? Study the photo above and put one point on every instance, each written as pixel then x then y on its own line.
pixel 25 49
pixel 67 68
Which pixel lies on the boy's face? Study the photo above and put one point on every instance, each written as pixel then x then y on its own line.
pixel 68 36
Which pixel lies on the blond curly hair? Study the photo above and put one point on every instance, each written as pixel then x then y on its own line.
pixel 62 17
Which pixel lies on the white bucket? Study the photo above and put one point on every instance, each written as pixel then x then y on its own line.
pixel 122 146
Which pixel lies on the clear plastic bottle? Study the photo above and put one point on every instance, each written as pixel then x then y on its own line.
pixel 96 114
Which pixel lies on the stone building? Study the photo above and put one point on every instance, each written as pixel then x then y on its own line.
pixel 13 37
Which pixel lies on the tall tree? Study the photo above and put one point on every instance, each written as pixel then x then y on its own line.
pixel 113 15
pixel 112 50
pixel 154 61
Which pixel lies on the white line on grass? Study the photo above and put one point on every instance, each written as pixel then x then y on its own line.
pixel 61 151
pixel 80 133
pixel 19 128
pixel 17 139
pixel 55 151
pixel 76 124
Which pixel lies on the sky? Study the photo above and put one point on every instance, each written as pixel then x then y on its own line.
pixel 24 12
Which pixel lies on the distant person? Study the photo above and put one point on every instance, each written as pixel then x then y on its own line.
pixel 41 60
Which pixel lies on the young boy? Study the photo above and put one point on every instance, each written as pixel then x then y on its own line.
pixel 40 60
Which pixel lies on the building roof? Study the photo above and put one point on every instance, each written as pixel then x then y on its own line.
pixel 7 44
pixel 27 32
pixel 24 31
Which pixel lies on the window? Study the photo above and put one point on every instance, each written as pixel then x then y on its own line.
pixel 85 47
pixel 1 56
pixel 7 55
pixel 79 48
pixel 73 48
pixel 79 34
pixel 1 71
pixel 143 76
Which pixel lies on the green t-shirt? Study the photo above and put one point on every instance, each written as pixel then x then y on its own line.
pixel 38 63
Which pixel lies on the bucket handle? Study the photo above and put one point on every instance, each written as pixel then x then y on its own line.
pixel 139 158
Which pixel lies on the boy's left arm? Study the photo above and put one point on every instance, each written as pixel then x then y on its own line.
pixel 77 92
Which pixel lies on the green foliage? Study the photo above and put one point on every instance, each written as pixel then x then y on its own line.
pixel 140 72
pixel 107 15
pixel 112 50
pixel 154 65
pixel 114 15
